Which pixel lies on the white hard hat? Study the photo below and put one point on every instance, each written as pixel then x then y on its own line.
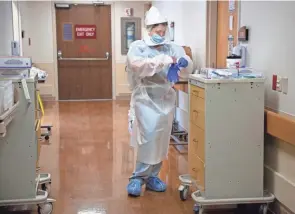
pixel 153 17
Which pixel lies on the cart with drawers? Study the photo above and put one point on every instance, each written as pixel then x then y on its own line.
pixel 226 143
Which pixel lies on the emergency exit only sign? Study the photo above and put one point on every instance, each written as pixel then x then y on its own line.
pixel 85 31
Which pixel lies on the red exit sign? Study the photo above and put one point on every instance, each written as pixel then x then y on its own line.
pixel 85 31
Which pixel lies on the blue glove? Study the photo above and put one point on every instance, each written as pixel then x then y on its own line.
pixel 172 75
pixel 182 62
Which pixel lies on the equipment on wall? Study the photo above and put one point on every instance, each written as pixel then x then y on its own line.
pixel 172 26
pixel 230 40
pixel 243 34
pixel 130 31
pixel 15 48
pixel 129 11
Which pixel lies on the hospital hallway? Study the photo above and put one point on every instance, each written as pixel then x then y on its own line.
pixel 90 161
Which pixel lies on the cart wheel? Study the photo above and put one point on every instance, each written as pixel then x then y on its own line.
pixel 46 137
pixel 263 209
pixel 184 193
pixel 43 187
pixel 196 209
pixel 45 208
pixel 46 187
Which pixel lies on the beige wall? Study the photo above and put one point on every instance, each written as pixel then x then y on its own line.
pixel 43 42
pixel 6 26
pixel 280 172
pixel 47 88
pixel 122 87
pixel 271 47
pixel 270 50
pixel 41 33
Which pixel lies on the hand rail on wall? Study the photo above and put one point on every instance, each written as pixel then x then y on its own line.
pixel 279 125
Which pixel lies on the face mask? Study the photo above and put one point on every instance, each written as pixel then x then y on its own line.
pixel 157 39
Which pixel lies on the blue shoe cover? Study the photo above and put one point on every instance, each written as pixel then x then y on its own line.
pixel 134 187
pixel 156 185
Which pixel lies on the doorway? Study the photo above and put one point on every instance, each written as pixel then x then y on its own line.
pixel 224 30
pixel 84 52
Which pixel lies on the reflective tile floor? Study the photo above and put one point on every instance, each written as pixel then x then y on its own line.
pixel 90 161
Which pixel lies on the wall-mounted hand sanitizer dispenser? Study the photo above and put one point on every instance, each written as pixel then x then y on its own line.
pixel 15 48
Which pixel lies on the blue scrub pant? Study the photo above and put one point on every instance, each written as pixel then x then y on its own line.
pixel 145 171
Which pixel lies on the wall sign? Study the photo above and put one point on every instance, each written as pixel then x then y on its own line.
pixel 243 34
pixel 85 31
pixel 231 5
pixel 129 11
pixel 172 31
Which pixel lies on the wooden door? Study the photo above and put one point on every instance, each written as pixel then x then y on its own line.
pixel 223 30
pixel 83 39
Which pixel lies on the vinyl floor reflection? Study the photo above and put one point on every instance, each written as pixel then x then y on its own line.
pixel 90 161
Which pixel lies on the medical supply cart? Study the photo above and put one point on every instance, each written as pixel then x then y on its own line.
pixel 19 141
pixel 226 142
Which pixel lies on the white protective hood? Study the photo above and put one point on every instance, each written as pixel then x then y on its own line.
pixel 154 17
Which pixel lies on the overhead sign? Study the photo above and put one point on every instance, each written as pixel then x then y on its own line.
pixel 85 31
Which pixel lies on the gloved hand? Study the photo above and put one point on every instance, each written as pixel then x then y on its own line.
pixel 182 62
pixel 172 75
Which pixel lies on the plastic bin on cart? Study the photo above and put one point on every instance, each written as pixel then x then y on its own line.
pixel 6 95
pixel 7 116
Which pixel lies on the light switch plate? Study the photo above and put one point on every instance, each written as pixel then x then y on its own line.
pixel 279 85
pixel 284 85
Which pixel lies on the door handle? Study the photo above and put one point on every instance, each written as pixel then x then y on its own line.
pixel 59 56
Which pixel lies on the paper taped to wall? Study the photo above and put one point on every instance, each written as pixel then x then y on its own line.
pixel 231 22
pixel 231 5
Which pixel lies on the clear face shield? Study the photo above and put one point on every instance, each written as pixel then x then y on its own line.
pixel 157 35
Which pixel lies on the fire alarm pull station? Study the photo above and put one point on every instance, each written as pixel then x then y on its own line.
pixel 274 82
